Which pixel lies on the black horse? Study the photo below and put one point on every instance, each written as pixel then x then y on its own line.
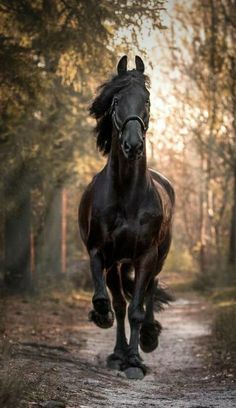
pixel 125 219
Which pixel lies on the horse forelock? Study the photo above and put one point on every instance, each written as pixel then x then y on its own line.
pixel 99 108
pixel 106 91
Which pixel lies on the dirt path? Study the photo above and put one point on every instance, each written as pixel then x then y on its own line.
pixel 70 364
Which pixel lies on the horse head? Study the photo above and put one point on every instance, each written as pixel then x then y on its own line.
pixel 130 109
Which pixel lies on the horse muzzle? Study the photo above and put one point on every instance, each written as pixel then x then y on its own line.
pixel 133 152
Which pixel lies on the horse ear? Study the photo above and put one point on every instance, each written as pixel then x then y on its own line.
pixel 140 67
pixel 122 65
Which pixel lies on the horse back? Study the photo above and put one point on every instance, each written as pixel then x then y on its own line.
pixel 165 184
pixel 166 194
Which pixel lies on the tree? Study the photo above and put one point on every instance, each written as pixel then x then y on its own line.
pixel 199 51
pixel 50 51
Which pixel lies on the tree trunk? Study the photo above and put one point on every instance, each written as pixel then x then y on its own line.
pixel 64 231
pixel 17 245
pixel 52 245
pixel 203 217
pixel 232 242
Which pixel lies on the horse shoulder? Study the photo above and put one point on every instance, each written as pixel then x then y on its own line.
pixel 86 207
pixel 96 212
pixel 84 213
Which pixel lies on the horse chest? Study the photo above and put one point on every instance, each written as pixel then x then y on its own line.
pixel 131 236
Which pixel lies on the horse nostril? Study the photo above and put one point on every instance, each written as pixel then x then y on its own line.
pixel 139 148
pixel 127 147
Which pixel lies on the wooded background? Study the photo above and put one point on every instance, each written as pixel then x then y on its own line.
pixel 53 55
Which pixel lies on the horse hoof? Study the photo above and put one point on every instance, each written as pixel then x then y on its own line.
pixel 114 362
pixel 149 334
pixel 148 345
pixel 101 305
pixel 104 321
pixel 134 373
pixel 134 362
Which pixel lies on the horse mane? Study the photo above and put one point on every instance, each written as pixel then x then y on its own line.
pixel 99 108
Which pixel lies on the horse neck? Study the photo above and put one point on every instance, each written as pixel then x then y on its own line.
pixel 128 178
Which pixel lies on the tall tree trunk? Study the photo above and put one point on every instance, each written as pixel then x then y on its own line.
pixel 64 231
pixel 2 218
pixel 52 245
pixel 232 242
pixel 17 245
pixel 203 217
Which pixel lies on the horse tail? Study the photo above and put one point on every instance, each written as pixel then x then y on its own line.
pixel 161 296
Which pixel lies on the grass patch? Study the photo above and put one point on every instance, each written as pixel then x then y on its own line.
pixel 224 320
pixel 226 294
pixel 222 342
pixel 224 326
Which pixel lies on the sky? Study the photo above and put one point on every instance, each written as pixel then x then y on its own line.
pixel 155 55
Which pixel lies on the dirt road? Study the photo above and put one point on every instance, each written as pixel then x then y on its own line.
pixel 63 359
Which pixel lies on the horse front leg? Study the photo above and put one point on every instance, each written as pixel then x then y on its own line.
pixel 150 328
pixel 144 272
pixel 118 357
pixel 102 314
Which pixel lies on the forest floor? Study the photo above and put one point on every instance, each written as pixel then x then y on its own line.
pixel 53 357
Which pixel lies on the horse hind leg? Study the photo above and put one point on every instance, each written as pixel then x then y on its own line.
pixel 117 358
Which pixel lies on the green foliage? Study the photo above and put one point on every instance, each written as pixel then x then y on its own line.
pixel 49 50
